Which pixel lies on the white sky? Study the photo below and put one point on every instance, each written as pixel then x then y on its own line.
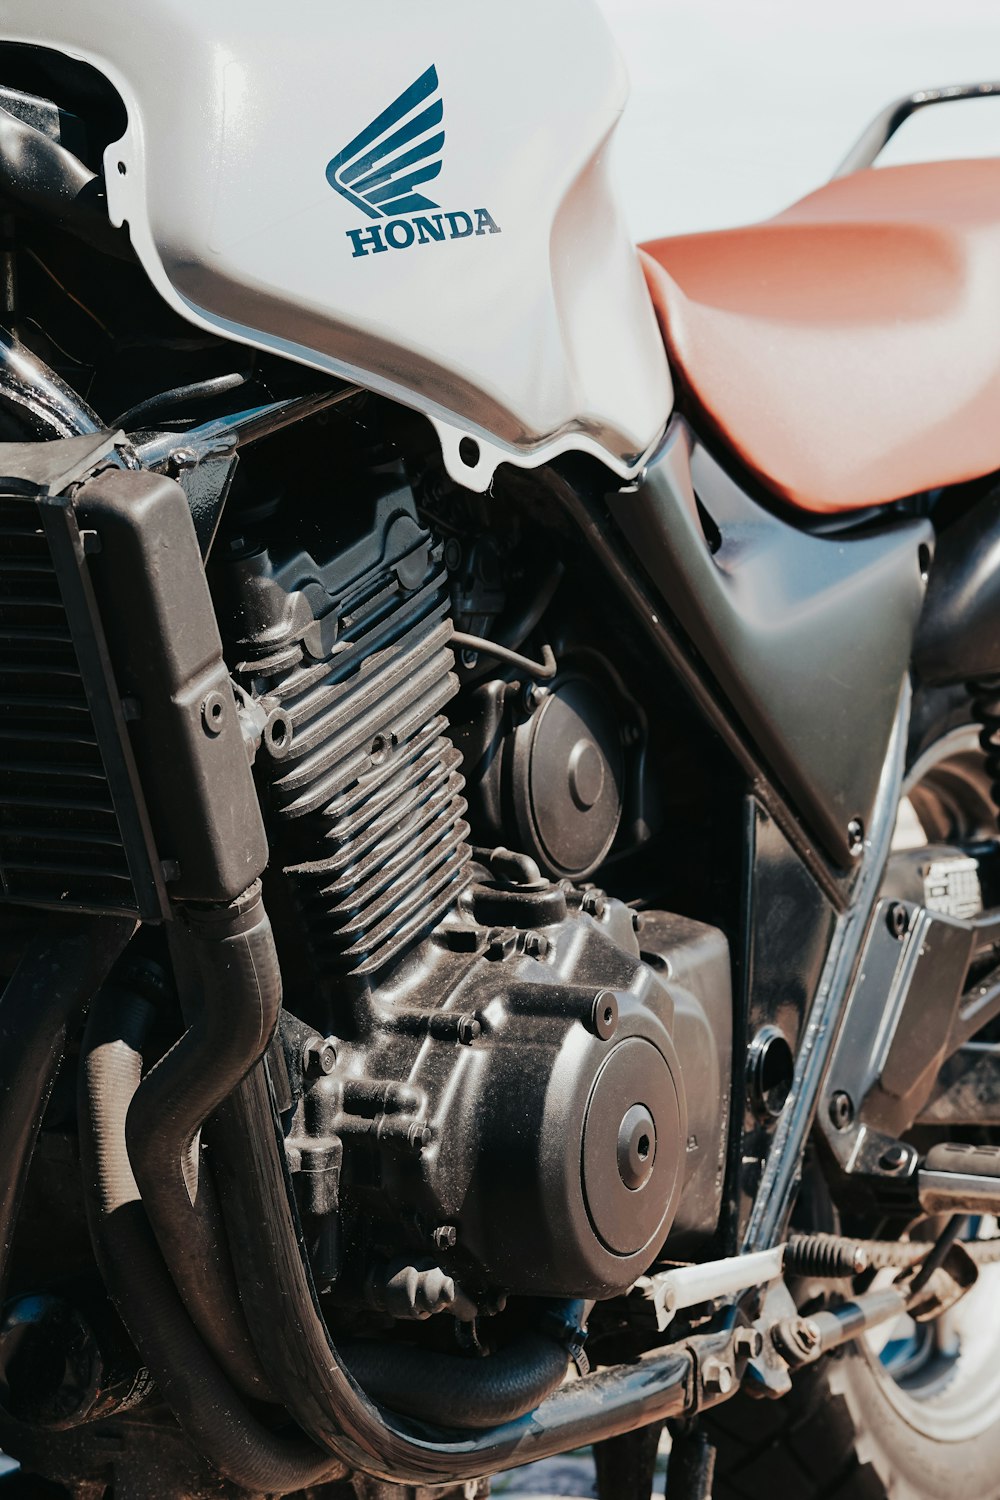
pixel 740 106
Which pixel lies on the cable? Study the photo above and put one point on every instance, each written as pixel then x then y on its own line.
pixel 542 671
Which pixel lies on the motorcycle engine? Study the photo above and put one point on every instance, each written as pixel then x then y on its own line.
pixel 492 1080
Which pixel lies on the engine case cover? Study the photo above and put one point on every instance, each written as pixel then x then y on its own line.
pixel 538 1107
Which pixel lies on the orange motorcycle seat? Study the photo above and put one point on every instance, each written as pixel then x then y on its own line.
pixel 848 350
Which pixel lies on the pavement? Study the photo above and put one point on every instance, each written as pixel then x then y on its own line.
pixel 572 1474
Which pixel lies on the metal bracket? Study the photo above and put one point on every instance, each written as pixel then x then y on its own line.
pixel 879 133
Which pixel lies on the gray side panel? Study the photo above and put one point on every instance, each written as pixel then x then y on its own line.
pixel 808 637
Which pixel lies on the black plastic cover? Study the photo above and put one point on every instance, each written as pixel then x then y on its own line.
pixel 809 637
pixel 959 635
pixel 164 644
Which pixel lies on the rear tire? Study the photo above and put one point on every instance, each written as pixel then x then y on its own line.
pixel 839 1435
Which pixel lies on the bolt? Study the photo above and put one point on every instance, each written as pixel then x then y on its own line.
pixel 213 713
pixel 445 1237
pixel 717 1377
pixel 536 945
pixel 500 944
pixel 469 1028
pixel 604 1014
pixel 841 1110
pixel 418 1136
pixel 637 921
pixel 894 1158
pixel 797 1340
pixel 855 836
pixel 748 1343
pixel 181 459
pixel 808 1333
pixel 594 904
pixel 319 1057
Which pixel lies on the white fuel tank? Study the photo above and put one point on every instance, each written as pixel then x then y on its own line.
pixel 415 196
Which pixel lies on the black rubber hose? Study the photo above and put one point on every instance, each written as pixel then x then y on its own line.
pixel 204 1403
pixel 233 954
pixel 41 174
pixel 455 1392
pixel 322 1390
pixel 61 970
pixel 148 411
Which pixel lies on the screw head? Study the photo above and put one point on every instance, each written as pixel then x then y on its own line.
pixel 894 1158
pixel 319 1057
pixel 841 1110
pixel 717 1377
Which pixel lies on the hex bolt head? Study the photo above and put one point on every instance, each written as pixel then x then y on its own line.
pixel 717 1377
pixel 469 1028
pixel 594 904
pixel 894 1158
pixel 897 919
pixel 319 1057
pixel 841 1110
pixel 418 1136
pixel 445 1237
pixel 748 1343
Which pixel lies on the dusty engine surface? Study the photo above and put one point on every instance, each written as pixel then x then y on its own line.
pixel 537 1099
pixel 492 1081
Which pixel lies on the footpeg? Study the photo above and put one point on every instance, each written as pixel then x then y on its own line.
pixel 958 1178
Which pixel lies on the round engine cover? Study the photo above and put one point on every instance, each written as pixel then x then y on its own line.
pixel 568 778
pixel 632 1146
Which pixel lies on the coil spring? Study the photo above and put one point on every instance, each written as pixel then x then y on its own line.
pixel 829 1256
pixel 985 695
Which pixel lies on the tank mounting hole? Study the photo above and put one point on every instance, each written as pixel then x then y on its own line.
pixel 468 452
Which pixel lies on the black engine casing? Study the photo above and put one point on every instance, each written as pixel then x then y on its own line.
pixel 541 1097
pixel 527 1082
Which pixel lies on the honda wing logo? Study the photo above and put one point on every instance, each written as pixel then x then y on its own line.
pixel 383 172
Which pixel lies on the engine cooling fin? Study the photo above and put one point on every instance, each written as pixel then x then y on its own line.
pixel 366 803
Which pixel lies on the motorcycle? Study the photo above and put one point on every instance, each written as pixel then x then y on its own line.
pixel 499 754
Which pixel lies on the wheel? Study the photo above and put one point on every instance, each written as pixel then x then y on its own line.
pixel 916 1420
pixel 911 1412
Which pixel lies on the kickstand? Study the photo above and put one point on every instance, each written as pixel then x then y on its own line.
pixel 691 1467
pixel 626 1465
